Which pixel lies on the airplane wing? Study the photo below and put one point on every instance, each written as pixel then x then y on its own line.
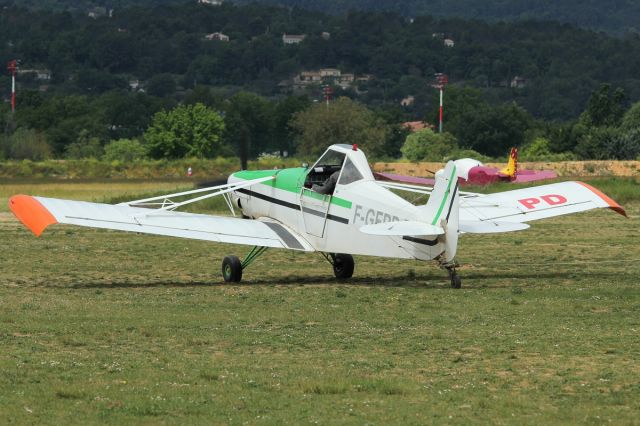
pixel 538 202
pixel 38 212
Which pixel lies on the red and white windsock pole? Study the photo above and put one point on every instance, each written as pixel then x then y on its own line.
pixel 328 94
pixel 441 105
pixel 13 69
pixel 442 80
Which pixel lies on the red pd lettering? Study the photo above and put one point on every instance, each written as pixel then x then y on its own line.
pixel 551 199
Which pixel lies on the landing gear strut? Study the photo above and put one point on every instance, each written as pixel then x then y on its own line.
pixel 232 267
pixel 450 266
pixel 456 282
pixel 343 264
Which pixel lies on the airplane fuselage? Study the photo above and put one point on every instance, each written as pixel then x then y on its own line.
pixel 341 214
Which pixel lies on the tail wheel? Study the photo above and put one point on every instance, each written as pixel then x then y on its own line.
pixel 456 282
pixel 232 269
pixel 343 266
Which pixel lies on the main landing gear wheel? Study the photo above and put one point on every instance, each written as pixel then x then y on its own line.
pixel 232 269
pixel 456 282
pixel 343 266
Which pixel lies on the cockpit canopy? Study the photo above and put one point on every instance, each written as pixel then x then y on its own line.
pixel 349 162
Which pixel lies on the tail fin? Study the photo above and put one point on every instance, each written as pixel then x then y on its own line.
pixel 512 166
pixel 442 208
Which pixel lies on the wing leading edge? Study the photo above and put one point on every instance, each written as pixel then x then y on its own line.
pixel 38 212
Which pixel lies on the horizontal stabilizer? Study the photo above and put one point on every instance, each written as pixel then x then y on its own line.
pixel 402 228
pixel 490 227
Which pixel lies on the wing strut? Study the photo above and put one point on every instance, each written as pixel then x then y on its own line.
pixel 164 202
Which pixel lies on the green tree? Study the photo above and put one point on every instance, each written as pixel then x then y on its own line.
pixel 249 120
pixel 595 143
pixel 26 144
pixel 283 134
pixel 460 103
pixel 426 145
pixel 609 143
pixel 161 85
pixel 493 130
pixel 342 122
pixel 126 150
pixel 605 108
pixel 393 118
pixel 185 131
pixel 84 147
pixel 631 118
pixel 62 119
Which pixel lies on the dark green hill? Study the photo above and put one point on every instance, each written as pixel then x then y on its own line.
pixel 614 16
pixel 548 68
pixel 87 5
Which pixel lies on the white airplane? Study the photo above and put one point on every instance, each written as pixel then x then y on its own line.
pixel 359 216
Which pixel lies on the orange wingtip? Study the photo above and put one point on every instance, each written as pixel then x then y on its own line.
pixel 32 213
pixel 612 204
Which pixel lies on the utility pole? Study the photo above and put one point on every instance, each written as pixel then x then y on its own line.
pixel 442 81
pixel 13 69
pixel 328 94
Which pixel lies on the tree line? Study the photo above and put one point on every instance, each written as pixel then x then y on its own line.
pixel 90 101
pixel 248 125
pixel 165 49
pixel 610 15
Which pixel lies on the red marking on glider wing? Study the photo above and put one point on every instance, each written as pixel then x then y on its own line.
pixel 534 175
pixel 32 213
pixel 612 204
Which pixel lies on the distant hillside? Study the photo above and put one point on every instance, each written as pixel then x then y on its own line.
pixel 86 5
pixel 547 68
pixel 613 16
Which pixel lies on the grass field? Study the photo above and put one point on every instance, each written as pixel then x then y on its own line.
pixel 106 327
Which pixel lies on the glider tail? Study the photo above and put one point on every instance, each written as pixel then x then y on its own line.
pixel 511 170
pixel 442 208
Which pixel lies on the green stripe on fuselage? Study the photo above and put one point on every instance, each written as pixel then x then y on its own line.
pixel 290 180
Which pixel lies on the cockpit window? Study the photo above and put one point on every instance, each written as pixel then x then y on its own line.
pixel 322 178
pixel 331 159
pixel 349 173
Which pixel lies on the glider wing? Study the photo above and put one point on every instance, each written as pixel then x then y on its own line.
pixel 413 180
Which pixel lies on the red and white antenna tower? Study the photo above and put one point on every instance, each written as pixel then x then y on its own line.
pixel 327 91
pixel 442 80
pixel 13 69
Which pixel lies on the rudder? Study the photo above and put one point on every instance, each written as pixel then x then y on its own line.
pixel 511 170
pixel 443 207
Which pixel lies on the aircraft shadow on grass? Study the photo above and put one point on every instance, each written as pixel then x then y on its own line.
pixel 433 281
